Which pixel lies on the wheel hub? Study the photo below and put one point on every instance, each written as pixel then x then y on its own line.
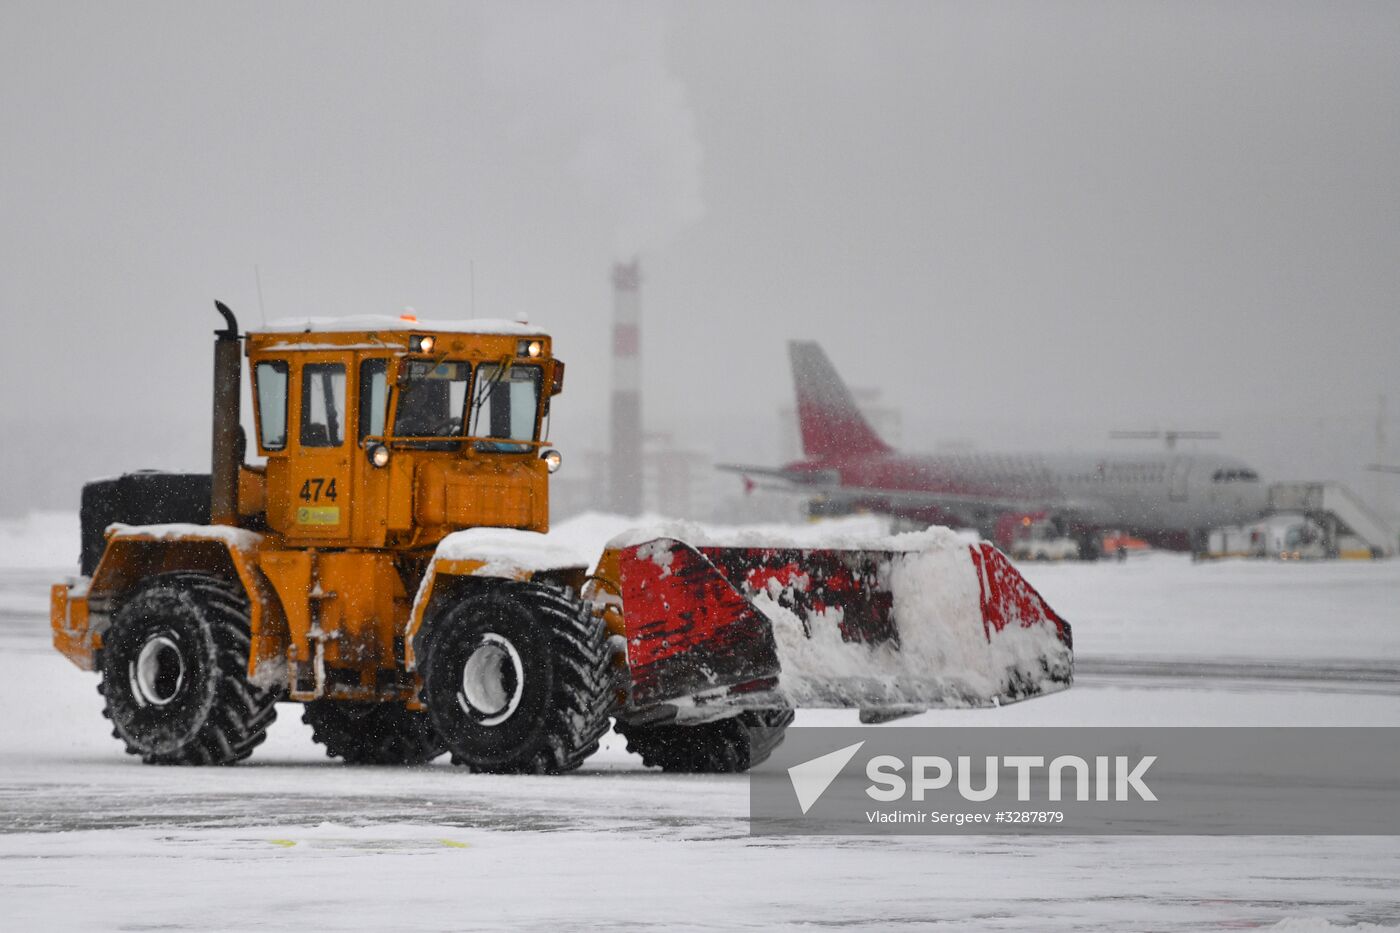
pixel 493 680
pixel 158 672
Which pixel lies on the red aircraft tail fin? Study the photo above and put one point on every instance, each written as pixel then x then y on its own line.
pixel 832 425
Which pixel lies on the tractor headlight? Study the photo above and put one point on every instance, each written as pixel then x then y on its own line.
pixel 421 343
pixel 378 455
pixel 530 348
pixel 552 459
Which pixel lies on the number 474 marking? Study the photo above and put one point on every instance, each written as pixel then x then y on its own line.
pixel 317 488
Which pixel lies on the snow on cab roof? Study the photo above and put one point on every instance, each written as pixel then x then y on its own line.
pixel 388 322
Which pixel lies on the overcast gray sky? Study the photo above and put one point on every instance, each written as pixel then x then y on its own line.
pixel 1027 223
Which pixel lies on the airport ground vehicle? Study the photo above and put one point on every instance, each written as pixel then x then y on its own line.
pixel 1284 536
pixel 387 568
pixel 1042 539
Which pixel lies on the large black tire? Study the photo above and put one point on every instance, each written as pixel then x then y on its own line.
pixel 175 673
pixel 725 746
pixel 373 733
pixel 517 680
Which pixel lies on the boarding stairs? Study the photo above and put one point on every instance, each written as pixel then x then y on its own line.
pixel 1338 510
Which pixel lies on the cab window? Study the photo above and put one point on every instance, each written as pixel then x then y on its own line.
pixel 505 405
pixel 432 400
pixel 374 397
pixel 271 380
pixel 322 404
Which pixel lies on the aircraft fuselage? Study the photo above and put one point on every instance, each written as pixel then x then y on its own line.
pixel 1147 494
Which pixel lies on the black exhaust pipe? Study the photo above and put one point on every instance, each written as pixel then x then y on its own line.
pixel 226 456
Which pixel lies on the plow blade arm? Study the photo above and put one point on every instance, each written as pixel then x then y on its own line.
pixel 884 630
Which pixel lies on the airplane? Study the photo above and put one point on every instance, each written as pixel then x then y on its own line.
pixel 1168 499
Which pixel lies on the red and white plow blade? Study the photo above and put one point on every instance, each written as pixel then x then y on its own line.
pixel 939 623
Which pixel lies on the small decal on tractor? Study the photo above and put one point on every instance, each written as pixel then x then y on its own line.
pixel 318 515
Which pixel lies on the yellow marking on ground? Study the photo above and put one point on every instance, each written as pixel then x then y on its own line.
pixel 454 844
pixel 284 843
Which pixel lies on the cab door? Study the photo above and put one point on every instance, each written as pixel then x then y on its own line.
pixel 371 408
pixel 318 502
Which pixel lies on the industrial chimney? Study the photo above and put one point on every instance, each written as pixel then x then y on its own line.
pixel 625 457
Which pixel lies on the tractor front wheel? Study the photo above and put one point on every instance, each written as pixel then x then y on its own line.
pixel 517 679
pixel 725 746
pixel 372 733
pixel 175 673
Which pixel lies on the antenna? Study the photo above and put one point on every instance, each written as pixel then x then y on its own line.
pixel 1171 437
pixel 257 276
pixel 1380 497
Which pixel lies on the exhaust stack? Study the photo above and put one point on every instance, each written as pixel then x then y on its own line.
pixel 226 455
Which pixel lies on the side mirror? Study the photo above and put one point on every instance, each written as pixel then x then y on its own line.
pixel 557 384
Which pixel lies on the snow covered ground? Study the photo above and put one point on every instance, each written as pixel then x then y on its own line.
pixel 91 839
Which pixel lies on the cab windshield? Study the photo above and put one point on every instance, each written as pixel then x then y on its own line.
pixel 505 404
pixel 432 401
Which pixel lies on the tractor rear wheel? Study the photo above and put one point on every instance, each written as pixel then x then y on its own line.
pixel 372 733
pixel 175 673
pixel 725 746
pixel 518 679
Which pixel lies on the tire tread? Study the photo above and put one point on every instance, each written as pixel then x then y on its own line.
pixel 241 713
pixel 724 746
pixel 582 698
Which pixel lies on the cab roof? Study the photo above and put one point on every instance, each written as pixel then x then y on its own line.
pixel 395 324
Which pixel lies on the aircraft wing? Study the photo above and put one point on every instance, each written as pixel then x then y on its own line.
pixel 750 470
pixel 777 477
pixel 956 503
pixel 828 484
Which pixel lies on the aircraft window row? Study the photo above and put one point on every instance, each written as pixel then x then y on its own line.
pixel 1235 476
pixel 1119 474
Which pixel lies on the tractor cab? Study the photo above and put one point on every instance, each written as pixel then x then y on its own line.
pixel 388 432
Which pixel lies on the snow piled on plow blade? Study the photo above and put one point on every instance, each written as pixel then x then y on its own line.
pixel 948 652
pixel 933 622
